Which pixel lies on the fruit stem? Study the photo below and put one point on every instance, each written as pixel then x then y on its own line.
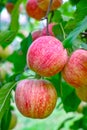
pixel 49 7
pixel 37 76
pixel 46 17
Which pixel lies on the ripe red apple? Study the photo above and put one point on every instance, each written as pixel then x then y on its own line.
pixel 36 34
pixel 46 56
pixel 33 10
pixel 43 4
pixel 13 121
pixel 9 7
pixel 75 71
pixel 35 98
pixel 50 31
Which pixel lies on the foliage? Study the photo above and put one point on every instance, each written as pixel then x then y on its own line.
pixel 70 29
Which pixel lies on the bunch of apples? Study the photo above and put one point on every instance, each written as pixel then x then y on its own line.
pixel 46 56
pixel 36 98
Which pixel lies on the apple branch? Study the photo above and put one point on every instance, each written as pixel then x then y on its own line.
pixel 46 17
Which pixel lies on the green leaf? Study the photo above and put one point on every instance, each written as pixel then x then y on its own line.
pixel 81 26
pixel 5 93
pixel 69 97
pixel 81 11
pixel 56 81
pixel 6 38
pixel 59 32
pixel 18 58
pixel 15 17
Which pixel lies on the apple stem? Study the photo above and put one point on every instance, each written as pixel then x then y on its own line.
pixel 37 76
pixel 49 7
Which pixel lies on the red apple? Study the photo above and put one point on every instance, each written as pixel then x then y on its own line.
pixel 9 7
pixel 33 10
pixel 35 98
pixel 75 71
pixel 36 34
pixel 43 4
pixel 50 31
pixel 46 56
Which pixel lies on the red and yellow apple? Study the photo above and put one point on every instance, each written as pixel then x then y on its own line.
pixel 33 10
pixel 43 4
pixel 75 71
pixel 9 7
pixel 46 56
pixel 35 98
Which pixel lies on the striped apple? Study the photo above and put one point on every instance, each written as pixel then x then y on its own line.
pixel 46 56
pixel 33 10
pixel 75 71
pixel 35 98
pixel 43 4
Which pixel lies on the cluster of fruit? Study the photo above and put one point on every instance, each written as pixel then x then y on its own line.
pixel 36 98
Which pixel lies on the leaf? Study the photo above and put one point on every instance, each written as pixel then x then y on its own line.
pixel 15 16
pixel 56 81
pixel 69 97
pixel 18 58
pixel 81 11
pixel 5 93
pixel 6 38
pixel 81 26
pixel 59 31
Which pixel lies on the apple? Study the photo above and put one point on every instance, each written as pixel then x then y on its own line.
pixel 75 71
pixel 81 107
pixel 36 34
pixel 13 121
pixel 5 52
pixel 43 4
pixel 82 93
pixel 46 56
pixel 50 31
pixel 2 74
pixel 35 98
pixel 33 10
pixel 9 7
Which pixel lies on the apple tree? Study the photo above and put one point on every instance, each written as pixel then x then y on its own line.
pixel 43 62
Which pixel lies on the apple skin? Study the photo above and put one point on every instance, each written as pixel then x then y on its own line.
pixel 75 71
pixel 46 56
pixel 82 93
pixel 34 11
pixel 9 7
pixel 35 98
pixel 13 121
pixel 2 74
pixel 43 4
pixel 36 34
pixel 50 27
